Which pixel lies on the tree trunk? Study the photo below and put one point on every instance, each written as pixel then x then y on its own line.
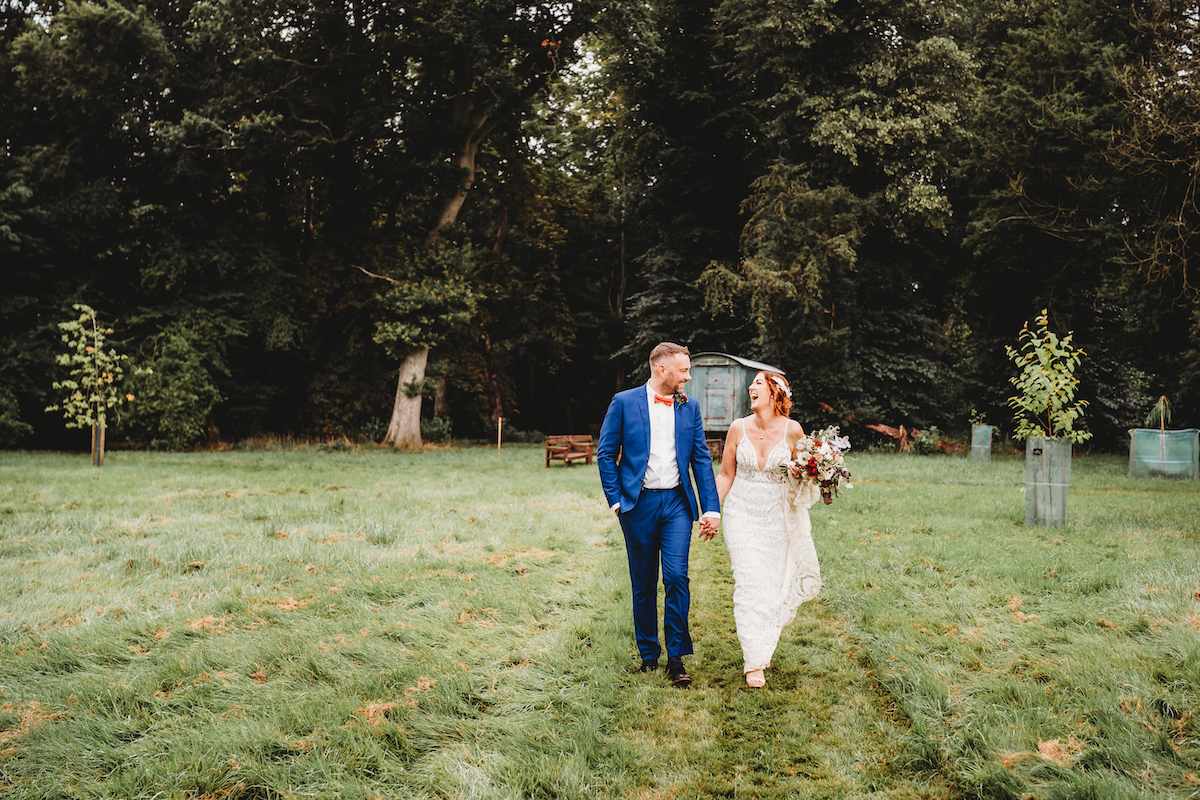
pixel 481 126
pixel 465 161
pixel 498 247
pixel 97 445
pixel 439 399
pixel 623 279
pixel 405 427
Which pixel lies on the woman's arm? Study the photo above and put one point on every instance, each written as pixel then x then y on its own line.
pixel 729 459
pixel 794 431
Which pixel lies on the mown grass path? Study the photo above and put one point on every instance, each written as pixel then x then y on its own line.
pixel 455 623
pixel 823 727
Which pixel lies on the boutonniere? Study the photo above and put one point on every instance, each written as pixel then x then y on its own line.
pixel 681 399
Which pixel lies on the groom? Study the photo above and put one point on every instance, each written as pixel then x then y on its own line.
pixel 652 435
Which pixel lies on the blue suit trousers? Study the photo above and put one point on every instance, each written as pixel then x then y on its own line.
pixel 658 529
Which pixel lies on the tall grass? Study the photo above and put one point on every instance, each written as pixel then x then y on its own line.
pixel 1046 662
pixel 456 624
pixel 303 625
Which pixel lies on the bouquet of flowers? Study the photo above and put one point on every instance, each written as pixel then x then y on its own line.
pixel 819 461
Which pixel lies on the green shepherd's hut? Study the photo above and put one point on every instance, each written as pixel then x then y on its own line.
pixel 719 384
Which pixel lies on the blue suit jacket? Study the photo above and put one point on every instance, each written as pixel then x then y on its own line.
pixel 626 433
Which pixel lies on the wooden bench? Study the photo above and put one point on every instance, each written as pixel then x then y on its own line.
pixel 569 447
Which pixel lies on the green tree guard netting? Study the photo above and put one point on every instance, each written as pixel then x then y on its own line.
pixel 1168 454
pixel 981 442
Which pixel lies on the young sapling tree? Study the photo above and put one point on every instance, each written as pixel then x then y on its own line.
pixel 92 390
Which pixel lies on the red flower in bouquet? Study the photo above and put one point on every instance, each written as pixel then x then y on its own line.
pixel 819 461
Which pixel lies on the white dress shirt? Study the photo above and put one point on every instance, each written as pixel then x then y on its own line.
pixel 662 471
pixel 662 468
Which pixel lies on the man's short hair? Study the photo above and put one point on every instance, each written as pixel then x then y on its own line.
pixel 665 350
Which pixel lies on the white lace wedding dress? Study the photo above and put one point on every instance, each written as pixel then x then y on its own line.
pixel 769 539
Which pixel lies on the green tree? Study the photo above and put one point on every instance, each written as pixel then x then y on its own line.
pixel 844 244
pixel 12 428
pixel 118 205
pixel 80 85
pixel 423 312
pixel 1160 141
pixel 555 306
pixel 1046 382
pixel 1157 148
pixel 379 122
pixel 1048 212
pixel 500 60
pixel 174 387
pixel 874 195
pixel 93 389
pixel 678 159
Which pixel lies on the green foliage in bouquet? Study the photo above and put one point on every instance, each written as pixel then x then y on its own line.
pixel 1046 404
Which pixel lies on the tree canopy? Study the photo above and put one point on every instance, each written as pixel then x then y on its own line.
pixel 280 209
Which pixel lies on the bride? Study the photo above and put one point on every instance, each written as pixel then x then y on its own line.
pixel 766 526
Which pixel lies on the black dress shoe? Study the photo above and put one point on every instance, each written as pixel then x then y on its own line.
pixel 677 673
pixel 648 665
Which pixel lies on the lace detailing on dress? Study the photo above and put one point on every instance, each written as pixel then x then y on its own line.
pixel 769 539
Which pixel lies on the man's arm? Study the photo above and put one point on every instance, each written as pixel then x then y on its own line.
pixel 607 450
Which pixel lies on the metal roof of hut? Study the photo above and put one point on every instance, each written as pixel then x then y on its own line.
pixel 757 366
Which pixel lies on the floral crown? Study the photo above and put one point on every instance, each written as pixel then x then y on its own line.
pixel 779 382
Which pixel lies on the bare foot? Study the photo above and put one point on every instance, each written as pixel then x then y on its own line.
pixel 755 679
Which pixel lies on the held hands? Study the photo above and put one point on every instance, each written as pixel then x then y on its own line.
pixel 709 527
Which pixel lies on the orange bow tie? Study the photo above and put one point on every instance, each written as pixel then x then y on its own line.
pixel 666 401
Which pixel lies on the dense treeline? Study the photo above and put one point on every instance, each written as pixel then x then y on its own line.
pixel 302 218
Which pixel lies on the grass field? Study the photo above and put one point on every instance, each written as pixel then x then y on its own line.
pixel 455 623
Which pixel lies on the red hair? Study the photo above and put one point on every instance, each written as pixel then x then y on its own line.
pixel 777 385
